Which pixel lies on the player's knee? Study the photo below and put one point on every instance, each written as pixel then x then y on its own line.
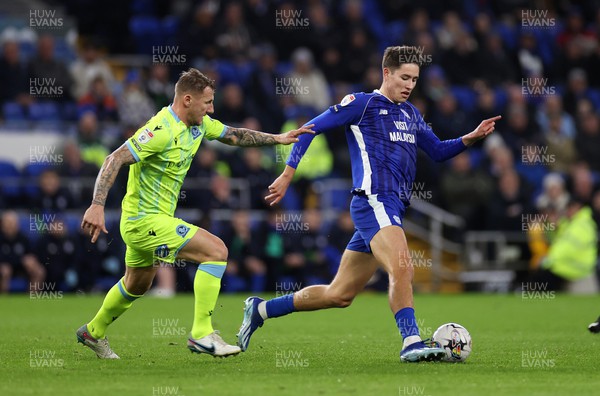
pixel 341 300
pixel 218 251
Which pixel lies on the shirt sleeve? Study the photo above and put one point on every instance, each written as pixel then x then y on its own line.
pixel 348 111
pixel 214 129
pixel 435 148
pixel 146 142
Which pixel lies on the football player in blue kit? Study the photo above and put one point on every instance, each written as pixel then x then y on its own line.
pixel 383 131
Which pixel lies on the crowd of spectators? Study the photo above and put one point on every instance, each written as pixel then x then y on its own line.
pixel 278 64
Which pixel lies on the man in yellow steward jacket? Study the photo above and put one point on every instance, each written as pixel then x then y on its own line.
pixel 573 252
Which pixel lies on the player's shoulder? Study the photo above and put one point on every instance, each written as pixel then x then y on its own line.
pixel 355 100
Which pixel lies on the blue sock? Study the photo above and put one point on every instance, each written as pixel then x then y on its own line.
pixel 280 306
pixel 405 319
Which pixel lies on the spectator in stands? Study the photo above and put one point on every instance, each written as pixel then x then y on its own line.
pixel 221 197
pixel 92 149
pixel 532 165
pixel 577 89
pixel 290 31
pixel 338 237
pixel 460 60
pixel 81 174
pixel 436 84
pixel 573 250
pixel 234 36
pixel 90 259
pixel 323 37
pixel 482 29
pixel 46 67
pixel 14 80
pixel 418 24
pixel 57 252
pixel 251 169
pixel 587 141
pixel 486 105
pixel 246 252
pixel 100 101
pixel 553 107
pixel 508 203
pixel 264 99
pixel 466 191
pixel 52 196
pixel 16 256
pixel 576 31
pixel 496 66
pixel 231 106
pixel 448 118
pixel 159 87
pixel 135 106
pixel 197 34
pixel 561 147
pixel 555 195
pixel 529 60
pixel 309 81
pixel 357 55
pixel 520 130
pixel 582 183
pixel 304 261
pixel 451 32
pixel 89 66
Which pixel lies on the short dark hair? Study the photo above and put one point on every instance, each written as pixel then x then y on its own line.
pixel 396 56
pixel 193 81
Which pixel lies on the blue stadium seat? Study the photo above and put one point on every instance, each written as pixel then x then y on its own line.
pixel 9 170
pixel 169 28
pixel 13 111
pixel 44 111
pixel 465 96
pixel 146 32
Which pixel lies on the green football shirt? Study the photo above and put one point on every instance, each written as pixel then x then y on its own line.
pixel 163 149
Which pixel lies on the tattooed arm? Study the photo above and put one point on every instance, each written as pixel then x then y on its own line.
pixel 249 138
pixel 94 216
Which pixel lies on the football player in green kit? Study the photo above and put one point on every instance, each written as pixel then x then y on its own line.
pixel 159 155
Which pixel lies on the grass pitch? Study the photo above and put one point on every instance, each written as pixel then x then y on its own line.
pixel 522 345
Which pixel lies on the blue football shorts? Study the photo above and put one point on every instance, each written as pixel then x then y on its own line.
pixel 371 213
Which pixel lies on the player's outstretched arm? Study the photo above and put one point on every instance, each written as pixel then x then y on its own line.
pixel 278 188
pixel 249 138
pixel 485 128
pixel 93 219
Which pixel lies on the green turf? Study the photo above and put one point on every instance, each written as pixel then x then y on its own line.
pixel 521 347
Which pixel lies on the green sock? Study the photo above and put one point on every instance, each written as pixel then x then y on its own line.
pixel 117 301
pixel 207 284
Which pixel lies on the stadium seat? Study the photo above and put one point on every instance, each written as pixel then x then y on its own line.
pixel 9 189
pixel 44 111
pixel 13 111
pixel 147 33
pixel 465 96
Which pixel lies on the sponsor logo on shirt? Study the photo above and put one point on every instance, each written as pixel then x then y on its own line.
pixel 402 137
pixel 347 99
pixel 145 136
pixel 401 125
pixel 135 144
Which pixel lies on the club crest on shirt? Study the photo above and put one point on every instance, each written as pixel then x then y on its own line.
pixel 182 230
pixel 195 131
pixel 405 113
pixel 145 136
pixel 347 99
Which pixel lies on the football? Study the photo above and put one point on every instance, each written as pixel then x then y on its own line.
pixel 455 340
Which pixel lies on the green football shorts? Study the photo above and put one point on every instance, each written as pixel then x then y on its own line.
pixel 153 238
